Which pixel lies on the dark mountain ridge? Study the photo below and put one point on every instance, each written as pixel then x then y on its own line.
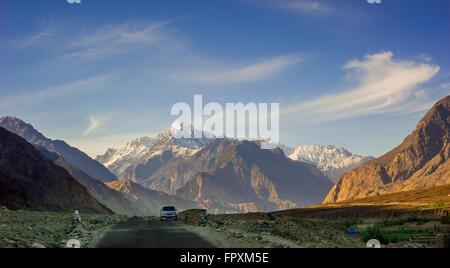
pixel 28 180
pixel 72 155
pixel 114 200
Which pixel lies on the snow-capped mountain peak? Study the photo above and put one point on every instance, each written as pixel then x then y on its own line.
pixel 166 139
pixel 117 160
pixel 145 148
pixel 325 156
pixel 333 161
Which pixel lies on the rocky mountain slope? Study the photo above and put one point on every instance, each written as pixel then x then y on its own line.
pixel 237 176
pixel 230 181
pixel 149 201
pixel 72 155
pixel 332 161
pixel 114 200
pixel 422 160
pixel 122 196
pixel 28 180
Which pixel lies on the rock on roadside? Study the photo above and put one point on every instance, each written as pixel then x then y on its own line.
pixel 37 245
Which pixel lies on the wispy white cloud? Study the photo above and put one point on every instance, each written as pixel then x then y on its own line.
pixel 307 6
pixel 114 39
pixel 299 6
pixel 34 97
pixel 95 122
pixel 424 58
pixel 215 74
pixel 44 35
pixel 445 86
pixel 99 42
pixel 385 85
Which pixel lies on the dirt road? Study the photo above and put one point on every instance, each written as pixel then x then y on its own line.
pixel 138 233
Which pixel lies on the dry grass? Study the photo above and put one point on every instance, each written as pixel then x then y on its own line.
pixel 432 202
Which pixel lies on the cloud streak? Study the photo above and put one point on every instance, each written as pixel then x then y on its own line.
pixel 95 122
pixel 53 92
pixel 385 85
pixel 219 75
pixel 116 39
pixel 101 42
pixel 312 7
pixel 307 7
pixel 42 36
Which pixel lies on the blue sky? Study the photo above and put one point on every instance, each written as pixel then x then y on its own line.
pixel 346 73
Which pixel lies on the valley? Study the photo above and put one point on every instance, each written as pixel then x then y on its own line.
pixel 253 198
pixel 225 132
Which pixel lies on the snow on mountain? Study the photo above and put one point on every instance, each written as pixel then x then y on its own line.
pixel 332 161
pixel 180 147
pixel 141 149
pixel 326 157
pixel 118 160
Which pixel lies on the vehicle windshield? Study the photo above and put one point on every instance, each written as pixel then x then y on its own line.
pixel 169 209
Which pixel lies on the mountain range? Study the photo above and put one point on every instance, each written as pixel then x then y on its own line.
pixel 241 177
pixel 150 153
pixel 28 180
pixel 147 151
pixel 128 199
pixel 149 201
pixel 222 175
pixel 72 155
pixel 112 199
pixel 121 196
pixel 420 161
pixel 218 174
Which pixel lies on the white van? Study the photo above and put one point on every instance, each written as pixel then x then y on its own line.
pixel 168 213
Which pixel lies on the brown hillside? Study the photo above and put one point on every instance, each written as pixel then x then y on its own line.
pixel 433 201
pixel 421 161
pixel 30 181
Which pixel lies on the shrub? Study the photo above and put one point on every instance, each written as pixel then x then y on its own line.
pixel 375 232
pixel 438 205
pixel 353 222
pixel 394 236
pixel 402 221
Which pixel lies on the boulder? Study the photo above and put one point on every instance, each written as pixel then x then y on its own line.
pixel 194 216
pixel 37 245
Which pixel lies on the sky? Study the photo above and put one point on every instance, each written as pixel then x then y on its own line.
pixel 99 73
